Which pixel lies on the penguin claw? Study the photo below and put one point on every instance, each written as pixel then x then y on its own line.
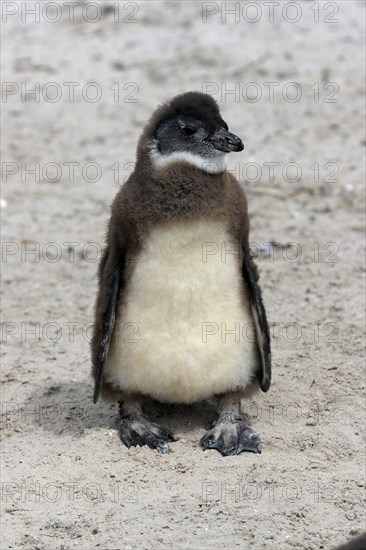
pixel 141 432
pixel 231 439
pixel 250 443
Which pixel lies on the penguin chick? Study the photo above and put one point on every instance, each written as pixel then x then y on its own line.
pixel 179 315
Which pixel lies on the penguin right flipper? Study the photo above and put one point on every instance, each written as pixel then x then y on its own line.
pixel 110 276
pixel 250 273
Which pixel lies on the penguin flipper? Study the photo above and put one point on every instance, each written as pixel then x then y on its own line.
pixel 250 274
pixel 106 328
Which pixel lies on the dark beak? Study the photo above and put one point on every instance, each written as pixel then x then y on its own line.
pixel 226 141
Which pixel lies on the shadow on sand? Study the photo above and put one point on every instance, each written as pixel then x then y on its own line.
pixel 68 409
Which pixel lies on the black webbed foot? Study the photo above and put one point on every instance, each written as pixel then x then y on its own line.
pixel 139 431
pixel 231 438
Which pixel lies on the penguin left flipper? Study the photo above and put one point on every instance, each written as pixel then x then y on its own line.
pixel 250 275
pixel 110 284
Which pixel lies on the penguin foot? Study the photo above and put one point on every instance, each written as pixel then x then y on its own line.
pixel 231 438
pixel 140 431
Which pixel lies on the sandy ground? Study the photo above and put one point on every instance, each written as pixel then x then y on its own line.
pixel 67 482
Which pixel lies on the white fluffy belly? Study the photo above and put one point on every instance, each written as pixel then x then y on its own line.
pixel 184 333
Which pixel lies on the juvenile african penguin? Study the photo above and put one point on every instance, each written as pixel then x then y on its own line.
pixel 179 315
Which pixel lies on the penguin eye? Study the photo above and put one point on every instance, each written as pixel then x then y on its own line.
pixel 188 131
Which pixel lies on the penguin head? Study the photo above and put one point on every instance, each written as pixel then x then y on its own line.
pixel 190 128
